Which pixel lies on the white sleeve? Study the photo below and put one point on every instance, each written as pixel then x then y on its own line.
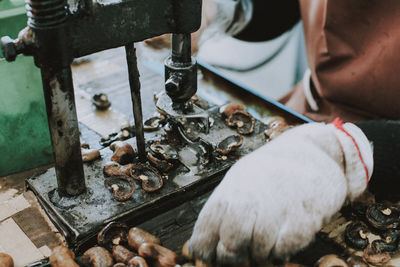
pixel 232 15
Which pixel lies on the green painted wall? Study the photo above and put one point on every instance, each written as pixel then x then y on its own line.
pixel 24 135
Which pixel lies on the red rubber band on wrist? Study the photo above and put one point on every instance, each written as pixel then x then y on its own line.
pixel 338 123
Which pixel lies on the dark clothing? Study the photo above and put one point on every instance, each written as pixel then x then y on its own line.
pixel 270 19
pixel 352 50
pixel 385 138
pixel 353 54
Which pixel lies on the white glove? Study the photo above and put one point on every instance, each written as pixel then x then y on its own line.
pixel 275 199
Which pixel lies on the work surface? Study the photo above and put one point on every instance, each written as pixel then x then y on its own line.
pixel 27 233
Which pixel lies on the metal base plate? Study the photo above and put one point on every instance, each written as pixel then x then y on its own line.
pixel 80 218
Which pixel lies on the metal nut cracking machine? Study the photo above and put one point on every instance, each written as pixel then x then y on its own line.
pixel 56 35
pixel 58 32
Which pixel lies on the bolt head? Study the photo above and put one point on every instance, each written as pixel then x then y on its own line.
pixel 8 48
pixel 172 86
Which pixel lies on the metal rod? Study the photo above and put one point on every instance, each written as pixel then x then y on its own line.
pixel 134 83
pixel 64 130
pixel 181 48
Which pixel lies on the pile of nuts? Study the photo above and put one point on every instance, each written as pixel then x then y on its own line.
pixel 118 246
pixel 122 167
pixel 381 219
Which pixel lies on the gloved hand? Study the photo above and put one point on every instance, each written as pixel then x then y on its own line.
pixel 275 199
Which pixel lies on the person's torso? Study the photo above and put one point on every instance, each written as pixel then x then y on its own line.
pixel 353 49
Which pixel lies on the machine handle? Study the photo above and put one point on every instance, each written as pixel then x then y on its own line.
pixel 9 48
pixel 24 44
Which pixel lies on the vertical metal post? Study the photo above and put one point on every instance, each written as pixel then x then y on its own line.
pixel 181 48
pixel 180 71
pixel 134 83
pixel 64 130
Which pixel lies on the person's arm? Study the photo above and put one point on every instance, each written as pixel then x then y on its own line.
pixel 253 20
pixel 385 138
pixel 273 201
pixel 270 19
pixel 247 20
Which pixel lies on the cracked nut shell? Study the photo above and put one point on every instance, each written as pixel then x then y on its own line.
pixel 229 144
pixel 114 168
pixel 388 243
pixel 152 124
pixel 164 151
pixel 355 235
pixel 228 109
pixel 242 121
pixel 123 153
pixel 382 216
pixel 149 176
pixel 112 184
pixel 112 234
pixel 160 164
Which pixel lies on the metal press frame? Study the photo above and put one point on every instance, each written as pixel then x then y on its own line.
pixel 58 33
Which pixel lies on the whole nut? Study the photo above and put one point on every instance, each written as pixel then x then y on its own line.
pixel 122 254
pixel 137 262
pixel 6 260
pixel 89 155
pixel 62 256
pixel 331 260
pixel 162 256
pixel 200 263
pixel 137 236
pixel 356 261
pixel 375 258
pixel 185 251
pixel 97 257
